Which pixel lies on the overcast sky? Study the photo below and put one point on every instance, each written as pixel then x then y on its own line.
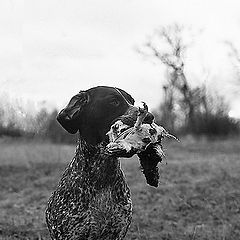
pixel 51 49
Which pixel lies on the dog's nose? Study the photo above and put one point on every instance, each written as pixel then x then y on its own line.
pixel 149 118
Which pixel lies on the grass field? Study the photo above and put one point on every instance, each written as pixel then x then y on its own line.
pixel 198 197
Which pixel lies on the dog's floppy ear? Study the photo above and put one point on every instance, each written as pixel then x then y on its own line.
pixel 69 117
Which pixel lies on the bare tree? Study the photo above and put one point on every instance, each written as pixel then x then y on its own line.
pixel 235 55
pixel 177 90
pixel 234 51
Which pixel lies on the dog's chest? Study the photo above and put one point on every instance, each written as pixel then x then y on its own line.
pixel 91 198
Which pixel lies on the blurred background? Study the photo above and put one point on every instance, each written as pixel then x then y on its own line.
pixel 180 57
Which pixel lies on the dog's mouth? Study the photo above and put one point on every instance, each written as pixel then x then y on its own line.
pixel 127 120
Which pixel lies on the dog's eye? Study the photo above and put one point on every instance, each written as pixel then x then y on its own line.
pixel 115 102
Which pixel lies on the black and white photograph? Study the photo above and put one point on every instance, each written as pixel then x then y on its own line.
pixel 119 120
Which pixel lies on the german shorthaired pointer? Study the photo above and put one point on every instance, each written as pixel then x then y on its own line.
pixel 92 200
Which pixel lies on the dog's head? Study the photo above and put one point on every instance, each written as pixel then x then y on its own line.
pixel 93 111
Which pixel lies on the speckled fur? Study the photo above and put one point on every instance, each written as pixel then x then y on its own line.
pixel 92 200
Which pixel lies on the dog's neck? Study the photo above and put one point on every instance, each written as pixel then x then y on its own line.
pixel 86 149
pixel 95 164
pixel 92 135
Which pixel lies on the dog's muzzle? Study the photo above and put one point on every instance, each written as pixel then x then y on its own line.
pixel 130 117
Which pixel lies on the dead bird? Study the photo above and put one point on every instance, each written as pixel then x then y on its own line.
pixel 144 139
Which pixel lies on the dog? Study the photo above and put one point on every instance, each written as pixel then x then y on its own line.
pixel 92 199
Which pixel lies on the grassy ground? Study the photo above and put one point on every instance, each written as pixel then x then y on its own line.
pixel 198 197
